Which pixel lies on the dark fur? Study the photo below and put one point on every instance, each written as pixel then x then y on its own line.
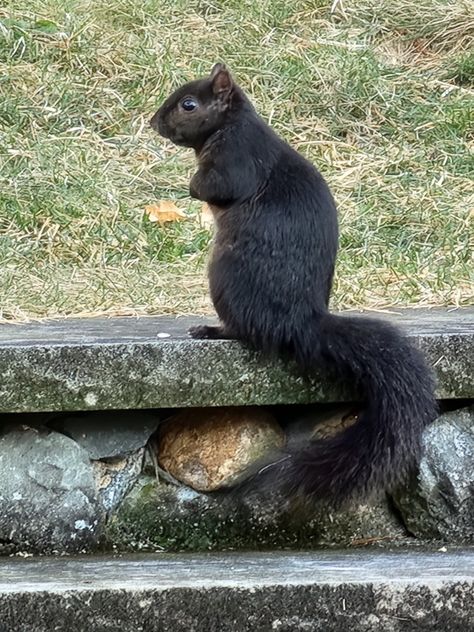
pixel 270 278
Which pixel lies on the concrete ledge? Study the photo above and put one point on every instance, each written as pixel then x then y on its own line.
pixel 127 363
pixel 358 591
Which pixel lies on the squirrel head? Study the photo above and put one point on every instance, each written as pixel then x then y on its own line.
pixel 198 109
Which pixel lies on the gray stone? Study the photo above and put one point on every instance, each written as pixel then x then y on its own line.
pixel 331 591
pixel 370 523
pixel 320 422
pixel 107 434
pixel 439 501
pixel 159 516
pixel 48 499
pixel 93 364
pixel 115 477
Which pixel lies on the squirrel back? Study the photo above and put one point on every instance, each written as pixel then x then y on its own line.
pixel 270 278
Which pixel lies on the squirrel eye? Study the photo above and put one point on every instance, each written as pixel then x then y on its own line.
pixel 189 104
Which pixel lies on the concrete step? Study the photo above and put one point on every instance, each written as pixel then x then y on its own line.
pixel 150 362
pixel 351 591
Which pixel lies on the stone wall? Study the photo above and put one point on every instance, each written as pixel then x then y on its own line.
pixel 149 480
pixel 126 472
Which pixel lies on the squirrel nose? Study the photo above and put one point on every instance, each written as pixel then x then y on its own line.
pixel 159 125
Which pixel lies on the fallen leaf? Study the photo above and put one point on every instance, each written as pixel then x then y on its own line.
pixel 164 211
pixel 206 217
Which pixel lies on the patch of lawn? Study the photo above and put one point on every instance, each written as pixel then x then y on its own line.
pixel 378 94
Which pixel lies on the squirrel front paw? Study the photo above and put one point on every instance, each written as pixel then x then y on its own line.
pixel 208 332
pixel 204 332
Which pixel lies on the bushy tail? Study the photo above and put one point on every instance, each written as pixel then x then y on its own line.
pixel 386 441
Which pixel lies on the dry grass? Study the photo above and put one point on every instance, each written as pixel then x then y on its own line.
pixel 380 95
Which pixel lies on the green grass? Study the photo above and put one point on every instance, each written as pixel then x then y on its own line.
pixel 379 94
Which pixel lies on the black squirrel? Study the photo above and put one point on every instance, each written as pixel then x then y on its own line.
pixel 270 279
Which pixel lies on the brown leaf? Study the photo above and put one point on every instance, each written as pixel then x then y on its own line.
pixel 164 211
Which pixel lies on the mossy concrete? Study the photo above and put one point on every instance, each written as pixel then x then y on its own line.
pixel 336 592
pixel 123 363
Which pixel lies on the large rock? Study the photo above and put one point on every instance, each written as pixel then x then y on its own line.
pixel 207 447
pixel 48 499
pixel 159 516
pixel 439 501
pixel 204 448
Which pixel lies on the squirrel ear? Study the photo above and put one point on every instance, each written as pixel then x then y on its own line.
pixel 216 69
pixel 222 83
